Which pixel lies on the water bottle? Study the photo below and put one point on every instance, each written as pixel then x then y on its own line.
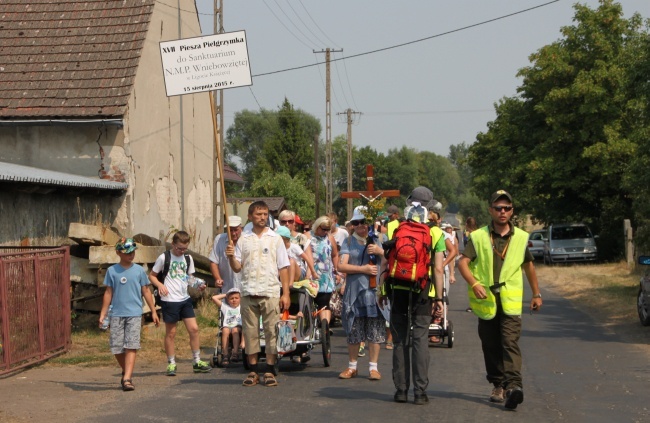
pixel 195 282
pixel 107 320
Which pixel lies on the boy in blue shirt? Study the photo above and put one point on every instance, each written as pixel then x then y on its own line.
pixel 126 283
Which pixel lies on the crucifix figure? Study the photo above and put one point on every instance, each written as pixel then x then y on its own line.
pixel 370 193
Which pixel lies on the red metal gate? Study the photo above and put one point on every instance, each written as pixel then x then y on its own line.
pixel 34 305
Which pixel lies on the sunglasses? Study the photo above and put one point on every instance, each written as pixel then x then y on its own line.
pixel 326 228
pixel 284 222
pixel 502 208
pixel 357 222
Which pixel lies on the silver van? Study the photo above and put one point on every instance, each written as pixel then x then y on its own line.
pixel 569 243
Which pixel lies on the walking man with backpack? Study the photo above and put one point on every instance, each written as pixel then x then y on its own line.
pixel 411 295
pixel 491 264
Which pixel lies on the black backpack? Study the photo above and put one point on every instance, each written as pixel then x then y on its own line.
pixel 168 258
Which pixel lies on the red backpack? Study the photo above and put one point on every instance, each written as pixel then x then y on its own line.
pixel 409 257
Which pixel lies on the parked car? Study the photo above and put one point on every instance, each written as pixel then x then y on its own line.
pixel 536 243
pixel 569 243
pixel 643 297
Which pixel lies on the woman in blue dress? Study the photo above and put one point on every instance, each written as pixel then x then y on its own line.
pixel 361 317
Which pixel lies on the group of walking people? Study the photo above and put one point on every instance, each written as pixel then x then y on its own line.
pixel 260 264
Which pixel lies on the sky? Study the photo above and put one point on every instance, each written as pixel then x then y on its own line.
pixel 425 95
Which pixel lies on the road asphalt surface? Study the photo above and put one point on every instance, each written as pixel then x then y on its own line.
pixel 574 371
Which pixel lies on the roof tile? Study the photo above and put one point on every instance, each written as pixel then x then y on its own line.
pixel 70 58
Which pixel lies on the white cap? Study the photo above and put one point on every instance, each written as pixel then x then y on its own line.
pixel 234 221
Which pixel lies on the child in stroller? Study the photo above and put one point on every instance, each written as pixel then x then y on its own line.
pixel 229 339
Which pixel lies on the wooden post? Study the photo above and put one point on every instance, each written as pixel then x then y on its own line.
pixel 219 159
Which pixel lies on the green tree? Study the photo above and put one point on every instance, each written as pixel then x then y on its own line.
pixel 273 141
pixel 439 175
pixel 561 146
pixel 246 137
pixel 290 148
pixel 294 190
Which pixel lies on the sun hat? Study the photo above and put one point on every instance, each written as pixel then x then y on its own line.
pixel 358 213
pixel 420 195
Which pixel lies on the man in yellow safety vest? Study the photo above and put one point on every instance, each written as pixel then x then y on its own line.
pixel 491 264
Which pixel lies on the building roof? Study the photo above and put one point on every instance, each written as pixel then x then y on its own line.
pixel 230 175
pixel 27 175
pixel 70 58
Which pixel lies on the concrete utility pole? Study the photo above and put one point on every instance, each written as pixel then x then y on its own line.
pixel 328 131
pixel 349 114
pixel 316 176
pixel 219 200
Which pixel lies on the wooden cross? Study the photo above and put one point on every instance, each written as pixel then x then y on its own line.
pixel 370 193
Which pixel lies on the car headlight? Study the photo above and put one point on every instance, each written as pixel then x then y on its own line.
pixel 557 250
pixel 590 249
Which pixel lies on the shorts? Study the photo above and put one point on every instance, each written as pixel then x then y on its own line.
pixel 174 312
pixel 125 334
pixel 323 300
pixel 368 329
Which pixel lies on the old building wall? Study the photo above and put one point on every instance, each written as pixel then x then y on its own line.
pixel 44 219
pixel 164 189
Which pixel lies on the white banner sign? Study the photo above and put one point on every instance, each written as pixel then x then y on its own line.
pixel 213 62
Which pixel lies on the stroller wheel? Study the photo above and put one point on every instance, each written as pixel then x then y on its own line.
pixel 450 334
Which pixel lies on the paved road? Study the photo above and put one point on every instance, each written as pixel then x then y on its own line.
pixel 574 371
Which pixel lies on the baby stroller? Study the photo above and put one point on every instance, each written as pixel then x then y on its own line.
pixel 442 328
pixel 309 329
pixel 219 355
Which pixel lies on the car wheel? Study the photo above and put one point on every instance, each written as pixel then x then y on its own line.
pixel 642 308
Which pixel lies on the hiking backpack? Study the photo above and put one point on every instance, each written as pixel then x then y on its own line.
pixel 409 255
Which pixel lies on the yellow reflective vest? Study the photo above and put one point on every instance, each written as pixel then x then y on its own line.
pixel 390 228
pixel 481 267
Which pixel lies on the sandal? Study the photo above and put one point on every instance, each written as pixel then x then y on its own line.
pixel 389 345
pixel 269 380
pixel 225 361
pixel 251 380
pixel 235 357
pixel 127 385
pixel 435 339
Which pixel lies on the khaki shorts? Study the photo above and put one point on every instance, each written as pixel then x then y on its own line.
pixel 251 310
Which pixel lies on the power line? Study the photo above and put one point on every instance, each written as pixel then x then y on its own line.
pixel 319 28
pixel 428 112
pixel 414 41
pixel 294 25
pixel 305 25
pixel 282 23
pixel 347 102
pixel 347 77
